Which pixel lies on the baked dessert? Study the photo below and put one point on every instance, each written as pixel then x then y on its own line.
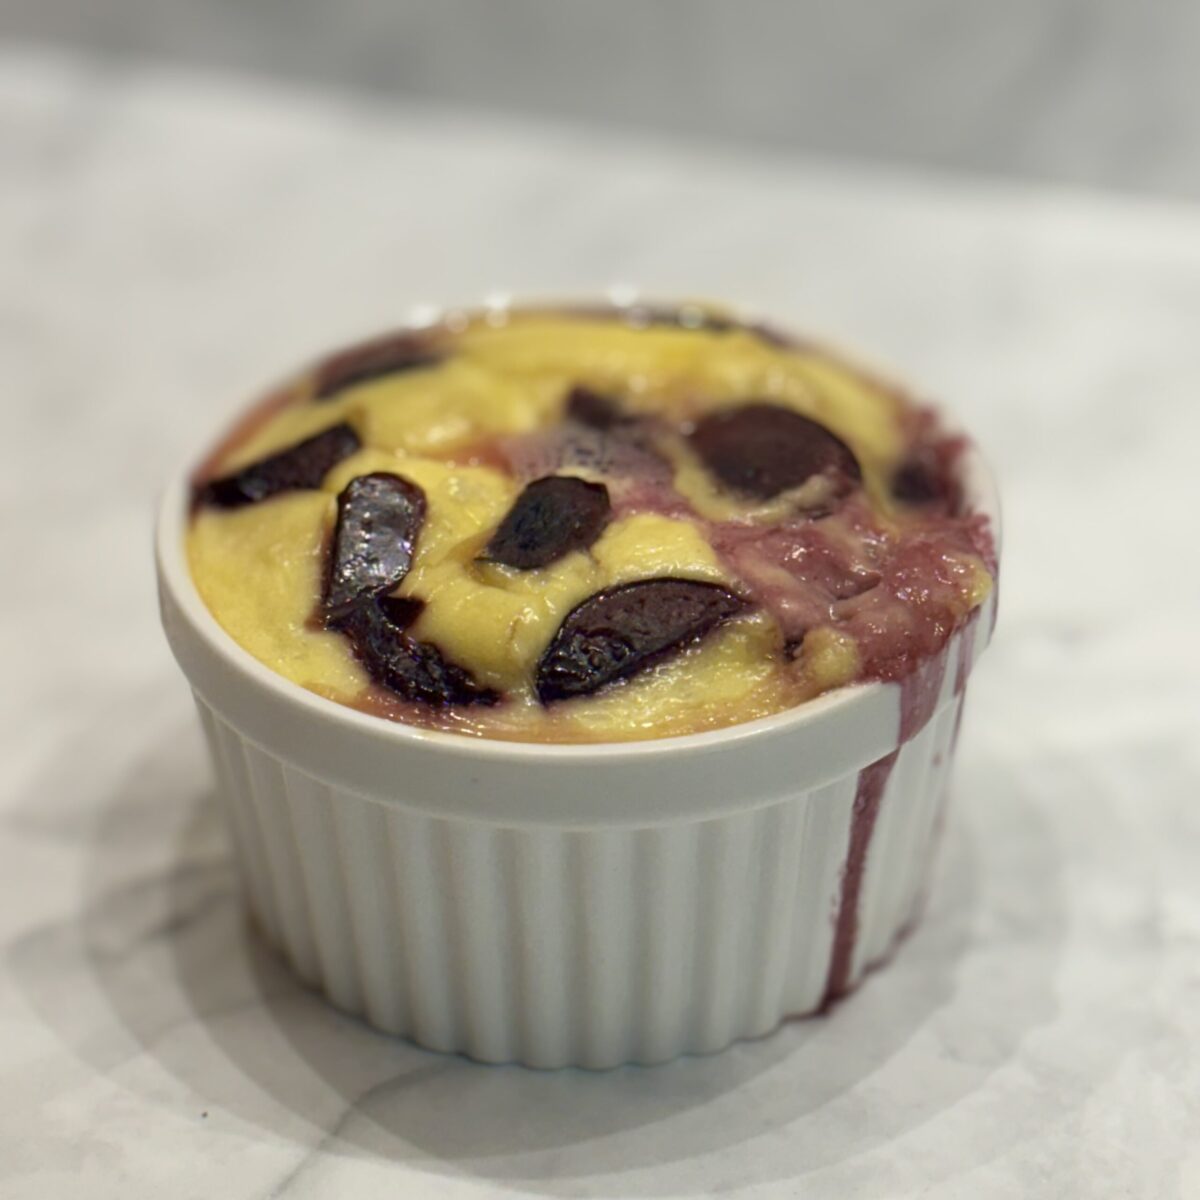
pixel 605 527
pixel 584 525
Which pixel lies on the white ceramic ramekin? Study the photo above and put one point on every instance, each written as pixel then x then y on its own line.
pixel 559 905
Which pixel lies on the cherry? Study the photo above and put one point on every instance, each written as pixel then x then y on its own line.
pixel 389 356
pixel 594 409
pixel 402 611
pixel 761 449
pixel 624 630
pixel 551 517
pixel 303 465
pixel 414 670
pixel 379 519
pixel 924 480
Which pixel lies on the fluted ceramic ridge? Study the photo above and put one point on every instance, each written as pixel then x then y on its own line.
pixel 596 947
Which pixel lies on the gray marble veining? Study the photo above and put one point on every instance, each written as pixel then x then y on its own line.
pixel 173 241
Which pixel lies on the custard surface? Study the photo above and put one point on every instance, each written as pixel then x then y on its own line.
pixel 859 571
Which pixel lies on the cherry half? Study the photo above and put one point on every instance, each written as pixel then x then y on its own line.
pixel 761 449
pixel 594 409
pixel 624 630
pixel 551 518
pixel 378 521
pixel 387 356
pixel 303 465
pixel 414 670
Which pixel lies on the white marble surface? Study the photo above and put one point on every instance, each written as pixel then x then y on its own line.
pixel 170 242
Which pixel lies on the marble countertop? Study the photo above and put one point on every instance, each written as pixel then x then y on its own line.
pixel 172 241
pixel 1098 92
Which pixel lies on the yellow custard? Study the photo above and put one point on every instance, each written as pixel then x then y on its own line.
pixel 474 597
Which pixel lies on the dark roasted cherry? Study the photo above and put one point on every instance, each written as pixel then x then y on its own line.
pixel 402 611
pixel 624 630
pixel 414 670
pixel 594 409
pixel 378 521
pixel 390 356
pixel 762 449
pixel 303 465
pixel 923 480
pixel 550 518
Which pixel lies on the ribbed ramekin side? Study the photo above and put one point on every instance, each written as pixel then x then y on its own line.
pixel 226 749
pixel 556 947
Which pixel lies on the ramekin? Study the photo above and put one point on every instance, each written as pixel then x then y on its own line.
pixel 575 905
